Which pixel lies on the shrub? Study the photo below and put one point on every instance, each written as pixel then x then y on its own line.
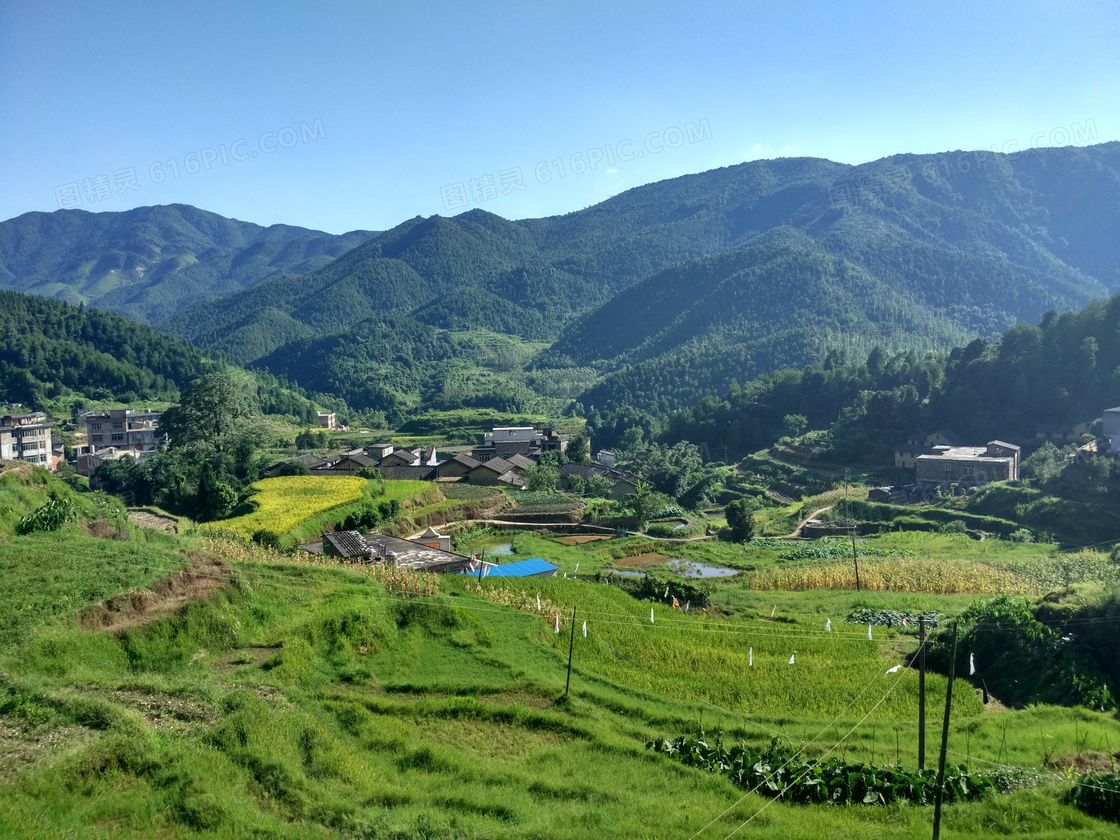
pixel 50 517
pixel 266 538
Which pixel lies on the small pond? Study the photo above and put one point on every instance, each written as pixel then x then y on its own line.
pixel 626 573
pixel 496 545
pixel 692 569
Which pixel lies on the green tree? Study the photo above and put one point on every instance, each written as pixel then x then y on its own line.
pixel 740 519
pixel 578 449
pixel 542 477
pixel 794 424
pixel 645 504
pixel 599 487
pixel 208 411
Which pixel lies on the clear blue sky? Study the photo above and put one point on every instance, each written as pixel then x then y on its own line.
pixel 360 114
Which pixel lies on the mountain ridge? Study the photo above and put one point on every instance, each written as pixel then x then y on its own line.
pixel 772 261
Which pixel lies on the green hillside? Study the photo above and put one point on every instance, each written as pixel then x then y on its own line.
pixel 62 357
pixel 772 263
pixel 285 699
pixel 153 262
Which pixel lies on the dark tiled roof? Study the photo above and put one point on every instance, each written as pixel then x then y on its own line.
pixel 1004 444
pixel 466 460
pixel 512 478
pixel 519 460
pixel 357 460
pixel 408 473
pixel 348 543
pixel 497 465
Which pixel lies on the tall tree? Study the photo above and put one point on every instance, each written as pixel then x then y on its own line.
pixel 207 412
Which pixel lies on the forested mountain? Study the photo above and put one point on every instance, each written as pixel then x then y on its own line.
pixel 1031 379
pixel 51 350
pixel 672 291
pixel 152 262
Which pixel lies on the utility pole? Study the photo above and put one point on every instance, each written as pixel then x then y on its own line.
pixel 944 740
pixel 922 694
pixel 852 521
pixel 571 644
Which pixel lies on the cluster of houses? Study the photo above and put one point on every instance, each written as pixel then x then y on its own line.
pixel 500 460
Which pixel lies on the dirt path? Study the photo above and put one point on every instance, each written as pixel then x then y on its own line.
pixel 202 577
pixel 796 532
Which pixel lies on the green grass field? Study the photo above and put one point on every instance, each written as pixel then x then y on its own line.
pixel 301 700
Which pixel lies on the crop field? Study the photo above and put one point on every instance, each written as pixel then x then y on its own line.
pixel 306 699
pixel 283 503
pixel 527 501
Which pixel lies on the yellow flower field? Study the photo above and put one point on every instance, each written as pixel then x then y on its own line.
pixel 283 503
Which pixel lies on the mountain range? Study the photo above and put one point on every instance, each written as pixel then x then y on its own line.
pixel 654 298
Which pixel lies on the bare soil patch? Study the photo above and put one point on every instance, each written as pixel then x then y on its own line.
pixel 21 747
pixel 164 711
pixel 155 521
pixel 579 540
pixel 202 577
pixel 642 561
pixel 1090 761
pixel 252 657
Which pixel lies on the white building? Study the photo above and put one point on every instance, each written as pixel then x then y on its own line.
pixel 26 437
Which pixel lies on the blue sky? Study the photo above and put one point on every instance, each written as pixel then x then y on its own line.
pixel 360 115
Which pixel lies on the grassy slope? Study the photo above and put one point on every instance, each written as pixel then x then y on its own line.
pixel 301 702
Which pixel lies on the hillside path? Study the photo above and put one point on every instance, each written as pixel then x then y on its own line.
pixel 796 532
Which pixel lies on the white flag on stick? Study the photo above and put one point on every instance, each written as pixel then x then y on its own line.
pixel 971 664
pixel 666 595
pixel 792 657
pixel 869 632
pixel 651 615
pixel 538 603
pixel 773 610
pixel 585 628
pixel 576 572
pixel 750 658
pixel 828 625
pixel 558 622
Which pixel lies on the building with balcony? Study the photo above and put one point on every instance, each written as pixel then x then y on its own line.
pixel 26 437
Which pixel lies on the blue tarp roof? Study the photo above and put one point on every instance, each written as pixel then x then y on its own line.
pixel 522 568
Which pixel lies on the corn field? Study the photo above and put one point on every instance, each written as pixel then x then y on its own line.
pixel 394 580
pixel 1034 576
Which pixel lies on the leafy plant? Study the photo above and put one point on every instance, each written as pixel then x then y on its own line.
pixel 777 771
pixel 50 517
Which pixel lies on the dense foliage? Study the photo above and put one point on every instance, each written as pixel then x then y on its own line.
pixel 152 262
pixel 1022 660
pixel 780 771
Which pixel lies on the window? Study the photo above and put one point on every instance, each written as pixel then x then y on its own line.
pixel 118 425
pixel 96 427
pixel 97 438
pixel 948 467
pixel 116 436
pixel 969 471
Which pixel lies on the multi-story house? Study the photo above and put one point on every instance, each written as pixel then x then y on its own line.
pixel 505 441
pixel 125 430
pixel 26 437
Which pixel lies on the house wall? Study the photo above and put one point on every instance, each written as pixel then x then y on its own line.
pixel 452 469
pixel 26 437
pixel 963 470
pixel 483 476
